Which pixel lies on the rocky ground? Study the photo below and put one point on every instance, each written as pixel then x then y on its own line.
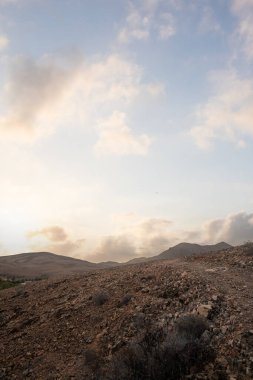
pixel 57 329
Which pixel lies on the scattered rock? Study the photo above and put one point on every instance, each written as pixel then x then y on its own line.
pixel 64 330
pixel 204 310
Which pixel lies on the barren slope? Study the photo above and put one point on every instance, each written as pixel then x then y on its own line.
pixel 47 327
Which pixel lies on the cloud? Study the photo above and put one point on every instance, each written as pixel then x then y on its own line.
pixel 228 113
pixel 56 240
pixel 4 42
pixel 155 89
pixel 144 18
pixel 53 233
pixel 144 238
pixel 6 2
pixel 114 248
pixel 137 26
pixel 69 248
pixel 166 28
pixel 152 236
pixel 208 22
pixel 243 9
pixel 235 229
pixel 116 138
pixel 34 90
pixel 56 91
pixel 3 250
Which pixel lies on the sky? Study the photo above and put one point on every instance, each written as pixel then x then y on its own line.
pixel 126 127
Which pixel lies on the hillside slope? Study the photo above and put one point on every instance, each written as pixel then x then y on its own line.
pixel 76 328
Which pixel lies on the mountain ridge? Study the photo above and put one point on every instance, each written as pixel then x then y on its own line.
pixel 46 264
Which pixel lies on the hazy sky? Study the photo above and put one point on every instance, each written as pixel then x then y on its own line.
pixel 125 126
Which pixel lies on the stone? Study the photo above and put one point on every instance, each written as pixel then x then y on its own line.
pixel 204 310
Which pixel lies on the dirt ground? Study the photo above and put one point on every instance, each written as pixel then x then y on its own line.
pixel 46 327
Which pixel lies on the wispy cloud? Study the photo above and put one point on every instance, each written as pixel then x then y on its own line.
pixel 208 22
pixel 228 113
pixel 145 18
pixel 166 27
pixel 137 25
pixel 52 233
pixel 243 9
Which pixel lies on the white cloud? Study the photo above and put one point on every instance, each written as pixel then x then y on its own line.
pixel 243 9
pixel 116 138
pixel 228 114
pixel 4 42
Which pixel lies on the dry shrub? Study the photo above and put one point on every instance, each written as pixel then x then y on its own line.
pixel 249 248
pixel 125 300
pixel 100 298
pixel 162 355
pixel 191 326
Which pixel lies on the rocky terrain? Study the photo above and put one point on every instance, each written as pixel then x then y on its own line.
pixel 95 325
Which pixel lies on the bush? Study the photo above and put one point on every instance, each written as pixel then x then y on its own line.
pixel 100 298
pixel 249 248
pixel 191 326
pixel 125 300
pixel 162 355
pixel 91 357
pixel 5 284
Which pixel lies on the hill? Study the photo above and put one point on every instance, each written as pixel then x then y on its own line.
pixel 188 249
pixel 189 318
pixel 45 264
pixel 181 250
